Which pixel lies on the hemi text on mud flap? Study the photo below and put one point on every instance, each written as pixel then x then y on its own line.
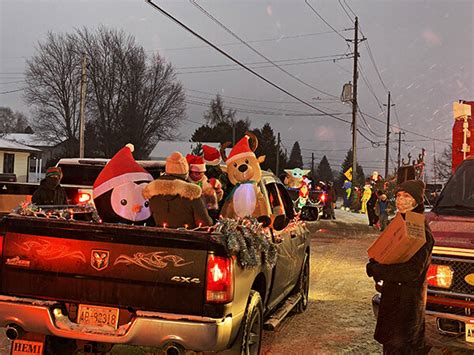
pixel 184 279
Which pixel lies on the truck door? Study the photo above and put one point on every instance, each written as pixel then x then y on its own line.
pixel 285 258
pixel 297 236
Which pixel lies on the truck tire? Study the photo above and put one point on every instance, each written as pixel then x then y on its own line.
pixel 302 287
pixel 252 326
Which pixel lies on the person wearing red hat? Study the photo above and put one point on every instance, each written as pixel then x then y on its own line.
pixel 401 317
pixel 50 191
pixel 175 202
pixel 117 191
pixel 197 169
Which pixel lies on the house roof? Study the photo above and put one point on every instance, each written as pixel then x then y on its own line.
pixel 29 139
pixel 14 146
pixel 164 148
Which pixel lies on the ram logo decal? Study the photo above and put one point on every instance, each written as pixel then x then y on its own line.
pixel 99 259
pixel 184 279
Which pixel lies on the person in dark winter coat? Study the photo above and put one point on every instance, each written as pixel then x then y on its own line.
pixel 174 202
pixel 401 317
pixel 332 197
pixel 382 209
pixel 373 218
pixel 50 191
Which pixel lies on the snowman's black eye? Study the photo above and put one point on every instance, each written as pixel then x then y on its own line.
pixel 146 204
pixel 123 202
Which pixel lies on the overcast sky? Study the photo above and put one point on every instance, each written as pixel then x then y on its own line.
pixel 423 51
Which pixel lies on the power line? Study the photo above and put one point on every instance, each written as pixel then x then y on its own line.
pixel 228 30
pixel 274 39
pixel 11 91
pixel 327 23
pixel 238 62
pixel 263 66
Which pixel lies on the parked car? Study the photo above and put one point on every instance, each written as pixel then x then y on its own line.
pixel 68 284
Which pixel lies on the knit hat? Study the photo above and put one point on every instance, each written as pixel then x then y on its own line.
pixel 196 163
pixel 211 155
pixel 414 187
pixel 240 150
pixel 176 164
pixel 54 171
pixel 122 168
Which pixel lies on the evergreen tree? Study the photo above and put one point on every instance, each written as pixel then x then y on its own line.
pixel 324 172
pixel 296 159
pixel 267 145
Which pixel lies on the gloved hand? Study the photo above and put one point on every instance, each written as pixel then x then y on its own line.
pixel 368 267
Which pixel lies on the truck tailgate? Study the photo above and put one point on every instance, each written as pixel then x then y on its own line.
pixel 104 264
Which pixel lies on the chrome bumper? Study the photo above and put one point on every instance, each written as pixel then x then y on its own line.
pixel 439 338
pixel 146 329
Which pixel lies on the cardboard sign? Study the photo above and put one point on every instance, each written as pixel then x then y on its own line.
pixel 400 240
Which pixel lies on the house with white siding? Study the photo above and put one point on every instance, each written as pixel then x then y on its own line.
pixel 15 159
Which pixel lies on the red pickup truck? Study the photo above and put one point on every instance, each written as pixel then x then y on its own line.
pixel 450 301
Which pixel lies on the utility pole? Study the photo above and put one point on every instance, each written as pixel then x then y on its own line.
pixel 278 155
pixel 387 139
pixel 399 148
pixel 312 165
pixel 354 103
pixel 233 133
pixel 82 106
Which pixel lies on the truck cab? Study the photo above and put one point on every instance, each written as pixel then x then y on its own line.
pixel 450 301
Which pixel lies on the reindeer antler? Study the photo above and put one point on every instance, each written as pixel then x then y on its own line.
pixel 222 150
pixel 253 140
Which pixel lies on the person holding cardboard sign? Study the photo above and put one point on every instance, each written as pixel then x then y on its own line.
pixel 401 316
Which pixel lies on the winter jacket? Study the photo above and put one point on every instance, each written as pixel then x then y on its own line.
pixel 49 193
pixel 332 197
pixel 176 203
pixel 401 316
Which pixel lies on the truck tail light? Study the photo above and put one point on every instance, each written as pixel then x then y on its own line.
pixel 220 279
pixel 83 197
pixel 440 276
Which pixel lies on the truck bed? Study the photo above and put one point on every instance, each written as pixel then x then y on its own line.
pixel 131 267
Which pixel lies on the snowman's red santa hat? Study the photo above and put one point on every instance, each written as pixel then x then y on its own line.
pixel 196 163
pixel 122 168
pixel 241 150
pixel 211 155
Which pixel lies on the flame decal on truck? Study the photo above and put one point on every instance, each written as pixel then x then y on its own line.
pixel 152 261
pixel 49 251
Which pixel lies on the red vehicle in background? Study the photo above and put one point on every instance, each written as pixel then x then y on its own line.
pixel 450 301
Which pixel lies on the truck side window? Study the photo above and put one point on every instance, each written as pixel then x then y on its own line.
pixel 274 198
pixel 287 202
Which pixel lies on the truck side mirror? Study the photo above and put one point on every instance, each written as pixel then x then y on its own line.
pixel 280 222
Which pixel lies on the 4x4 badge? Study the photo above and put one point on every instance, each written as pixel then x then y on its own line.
pixel 469 279
pixel 99 259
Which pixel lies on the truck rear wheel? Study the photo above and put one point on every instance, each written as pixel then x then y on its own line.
pixel 303 287
pixel 252 326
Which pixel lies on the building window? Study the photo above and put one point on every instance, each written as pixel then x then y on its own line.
pixel 8 163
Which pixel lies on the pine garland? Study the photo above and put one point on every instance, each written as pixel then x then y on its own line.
pixel 66 213
pixel 247 239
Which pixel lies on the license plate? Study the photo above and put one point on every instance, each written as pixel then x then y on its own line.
pixel 23 347
pixel 98 316
pixel 470 332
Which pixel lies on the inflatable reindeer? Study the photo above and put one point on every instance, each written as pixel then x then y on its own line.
pixel 243 171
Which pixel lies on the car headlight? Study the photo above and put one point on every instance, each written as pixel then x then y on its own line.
pixel 440 276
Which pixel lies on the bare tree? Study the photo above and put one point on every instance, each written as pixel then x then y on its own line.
pixel 130 99
pixel 12 122
pixel 442 164
pixel 52 78
pixel 217 114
